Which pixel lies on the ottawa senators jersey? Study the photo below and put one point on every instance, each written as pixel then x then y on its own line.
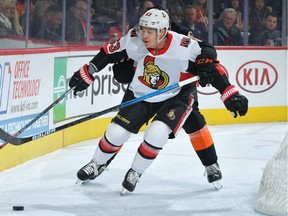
pixel 156 68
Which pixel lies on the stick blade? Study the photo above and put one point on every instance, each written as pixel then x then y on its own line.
pixel 9 138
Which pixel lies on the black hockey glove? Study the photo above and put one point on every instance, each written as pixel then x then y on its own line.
pixel 234 101
pixel 205 67
pixel 123 71
pixel 81 79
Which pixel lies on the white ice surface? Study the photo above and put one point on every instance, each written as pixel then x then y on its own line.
pixel 173 185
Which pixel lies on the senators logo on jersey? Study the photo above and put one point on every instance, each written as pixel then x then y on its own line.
pixel 153 76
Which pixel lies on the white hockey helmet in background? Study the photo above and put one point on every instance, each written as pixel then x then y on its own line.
pixel 155 18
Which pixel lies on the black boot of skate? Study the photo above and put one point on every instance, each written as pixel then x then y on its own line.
pixel 90 171
pixel 131 179
pixel 214 175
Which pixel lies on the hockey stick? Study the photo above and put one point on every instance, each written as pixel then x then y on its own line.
pixel 19 141
pixel 35 118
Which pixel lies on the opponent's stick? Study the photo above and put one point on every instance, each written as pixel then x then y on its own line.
pixel 38 116
pixel 19 141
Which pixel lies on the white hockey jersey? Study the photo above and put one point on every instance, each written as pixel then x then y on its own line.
pixel 156 68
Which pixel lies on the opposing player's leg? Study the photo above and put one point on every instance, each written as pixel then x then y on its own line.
pixel 203 144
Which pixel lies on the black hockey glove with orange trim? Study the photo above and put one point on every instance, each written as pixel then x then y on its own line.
pixel 205 67
pixel 234 101
pixel 81 79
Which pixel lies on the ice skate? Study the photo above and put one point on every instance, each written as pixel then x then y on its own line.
pixel 89 172
pixel 214 175
pixel 131 179
pixel 123 191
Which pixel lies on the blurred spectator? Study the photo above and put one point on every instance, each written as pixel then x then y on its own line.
pixel 49 26
pixel 238 7
pixel 83 19
pixel 176 10
pixel 268 35
pixel 22 14
pixel 74 31
pixel 20 7
pixel 138 10
pixel 115 32
pixel 276 7
pixel 133 12
pixel 226 32
pixel 258 11
pixel 189 22
pixel 201 12
pixel 143 7
pixel 39 7
pixel 218 7
pixel 108 8
pixel 36 12
pixel 9 19
pixel 188 2
pixel 1 6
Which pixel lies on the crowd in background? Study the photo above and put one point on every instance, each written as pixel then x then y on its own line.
pixel 104 19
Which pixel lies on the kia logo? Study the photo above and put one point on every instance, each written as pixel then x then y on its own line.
pixel 256 76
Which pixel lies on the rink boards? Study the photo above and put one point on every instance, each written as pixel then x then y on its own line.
pixel 31 80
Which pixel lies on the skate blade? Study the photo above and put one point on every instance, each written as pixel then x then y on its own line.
pixel 217 185
pixel 78 181
pixel 123 191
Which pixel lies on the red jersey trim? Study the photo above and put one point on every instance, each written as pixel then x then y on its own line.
pixel 185 115
pixel 164 49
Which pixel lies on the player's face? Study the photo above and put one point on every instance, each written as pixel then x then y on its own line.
pixel 149 36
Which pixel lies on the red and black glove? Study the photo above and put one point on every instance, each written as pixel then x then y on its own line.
pixel 81 79
pixel 234 101
pixel 205 67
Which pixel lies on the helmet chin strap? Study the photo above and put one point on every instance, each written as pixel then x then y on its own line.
pixel 159 39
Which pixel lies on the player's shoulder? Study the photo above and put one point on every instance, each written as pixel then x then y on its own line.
pixel 133 33
pixel 183 40
pixel 133 36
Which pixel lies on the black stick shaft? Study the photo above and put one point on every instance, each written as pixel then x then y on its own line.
pixel 19 141
pixel 39 116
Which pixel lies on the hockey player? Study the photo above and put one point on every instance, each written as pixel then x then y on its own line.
pixel 153 48
pixel 195 125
